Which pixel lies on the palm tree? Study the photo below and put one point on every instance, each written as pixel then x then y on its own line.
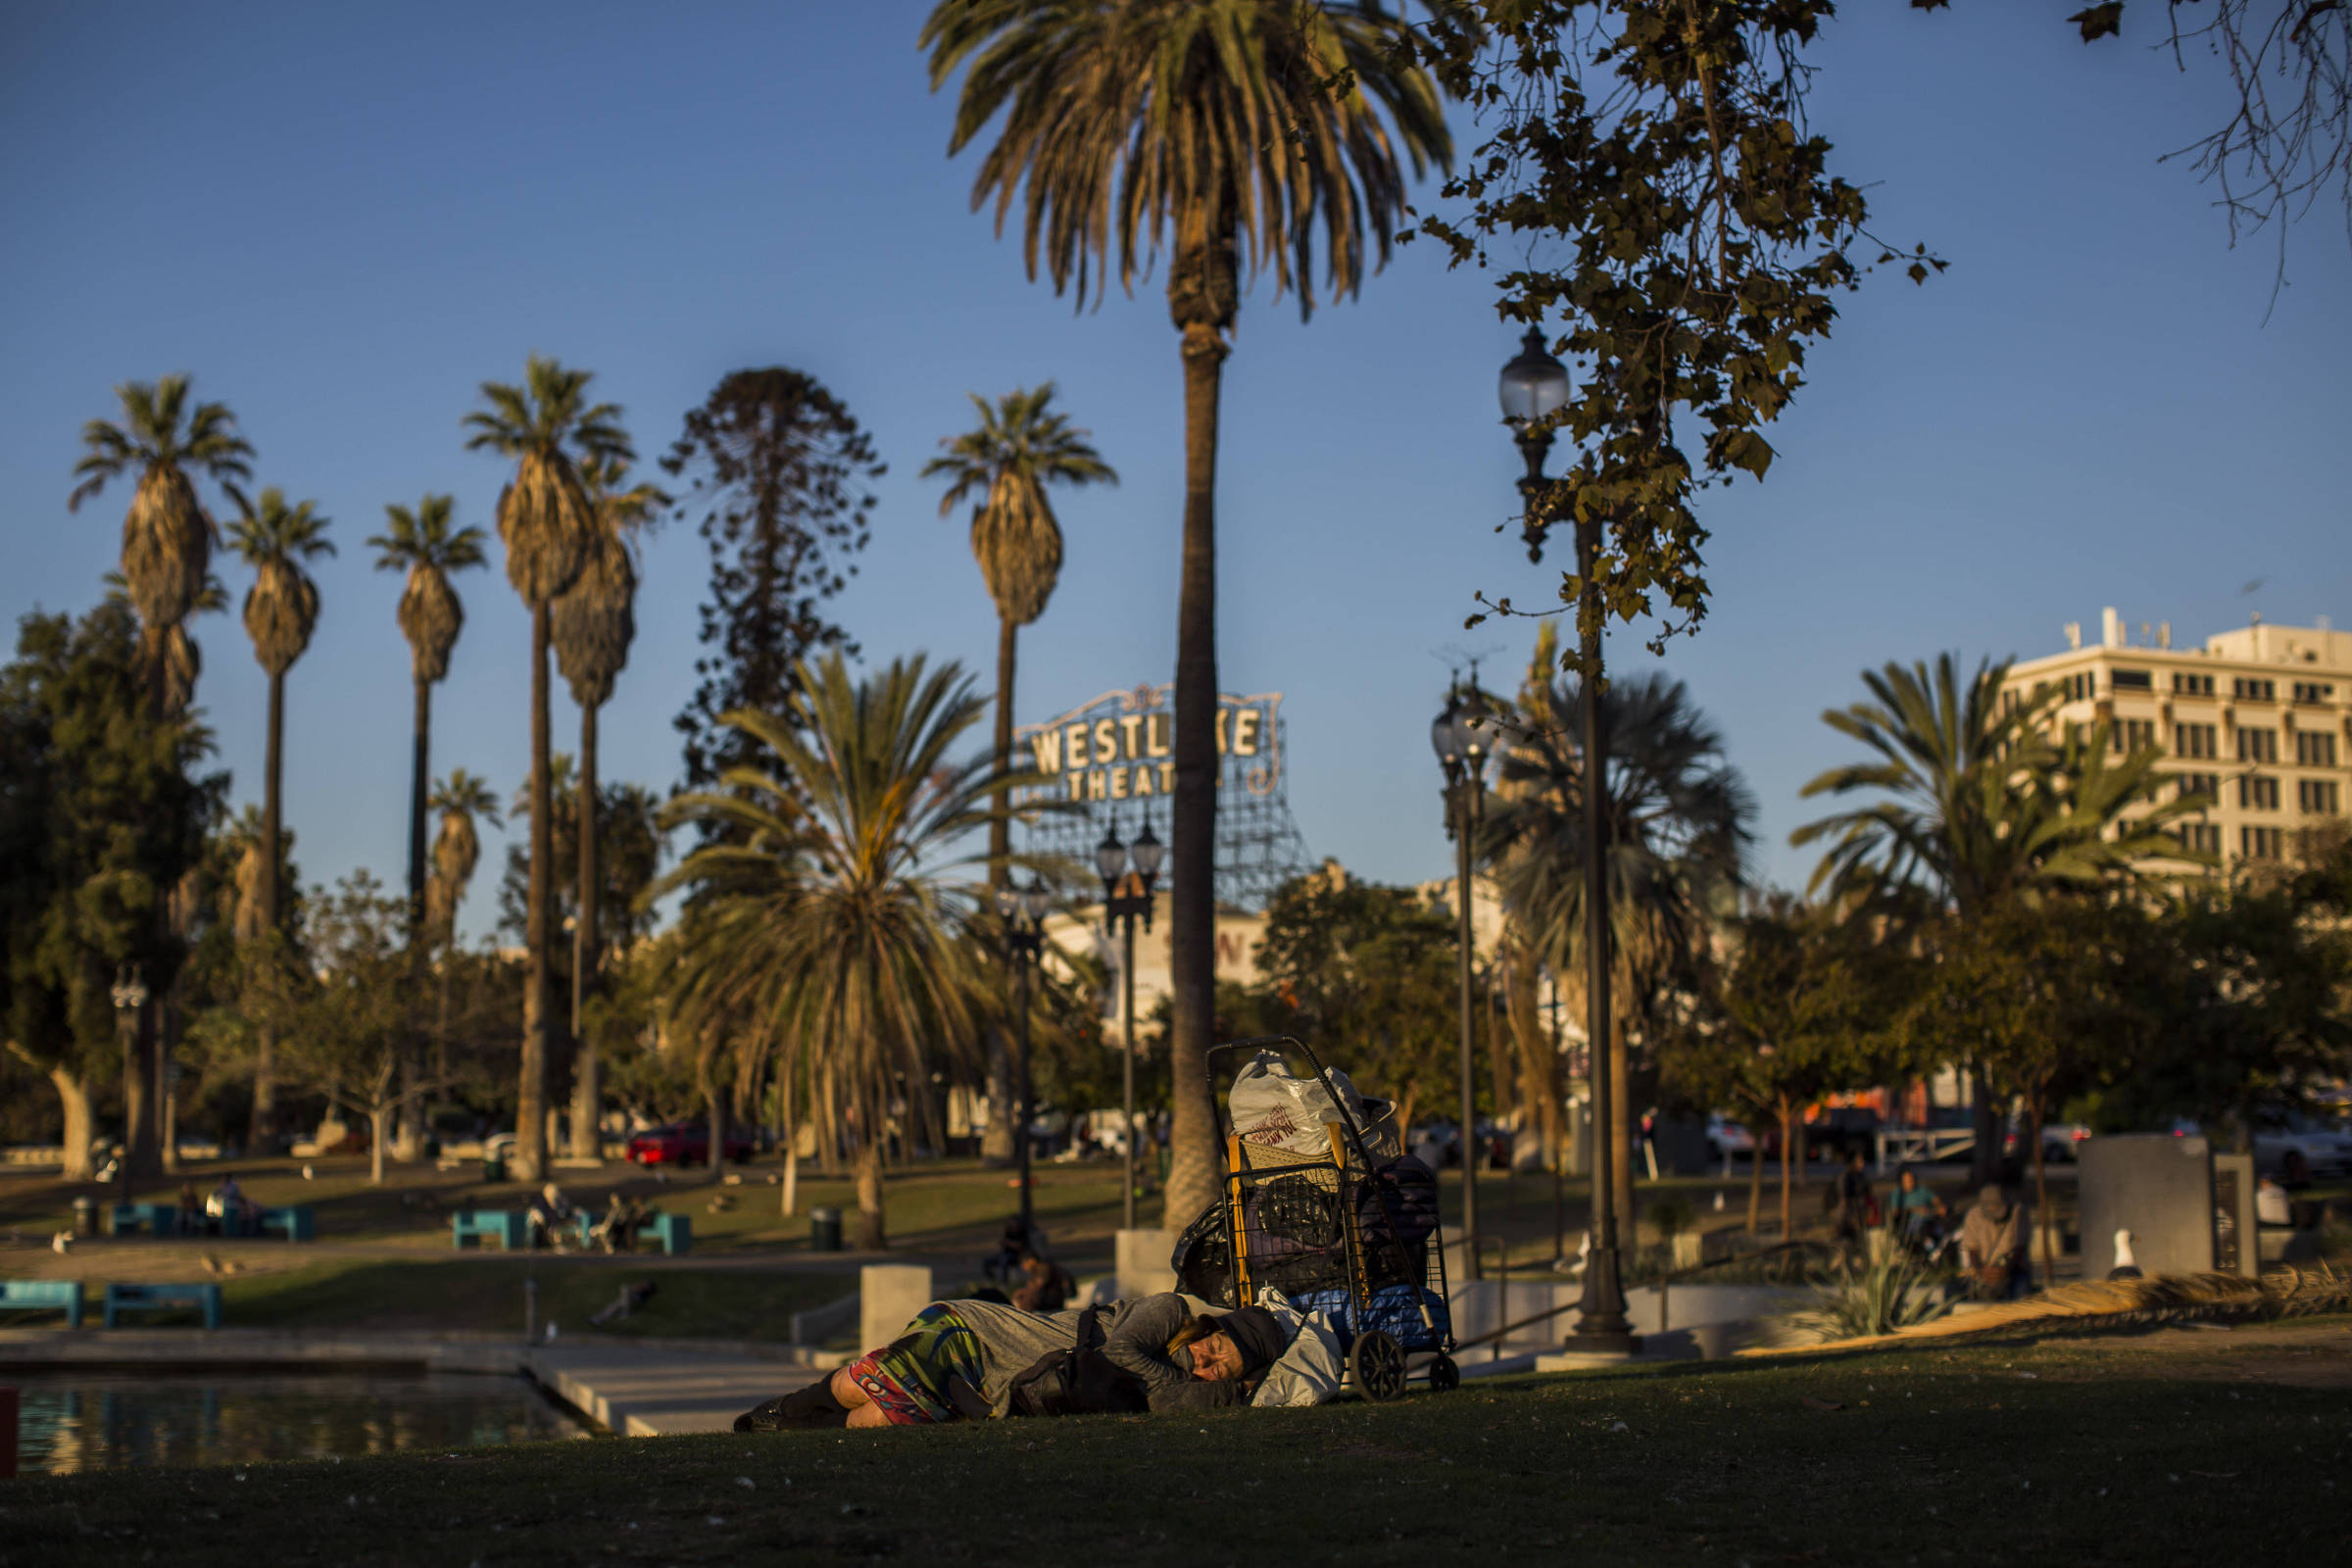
pixel 463 801
pixel 281 611
pixel 547 525
pixel 1007 460
pixel 1217 129
pixel 423 545
pixel 1678 818
pixel 1978 805
pixel 167 556
pixel 593 623
pixel 819 920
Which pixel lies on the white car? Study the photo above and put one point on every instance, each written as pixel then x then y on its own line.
pixel 2327 1149
pixel 1727 1138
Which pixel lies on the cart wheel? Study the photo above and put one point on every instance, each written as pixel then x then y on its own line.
pixel 1443 1376
pixel 1377 1364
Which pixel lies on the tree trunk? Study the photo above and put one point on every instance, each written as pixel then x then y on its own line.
pixel 790 1200
pixel 263 1135
pixel 1192 1174
pixel 871 1237
pixel 2041 1192
pixel 379 1129
pixel 73 1096
pixel 1755 1180
pixel 409 1136
pixel 538 998
pixel 1985 1160
pixel 1788 1194
pixel 586 958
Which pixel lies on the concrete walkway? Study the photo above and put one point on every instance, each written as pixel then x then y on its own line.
pixel 636 1393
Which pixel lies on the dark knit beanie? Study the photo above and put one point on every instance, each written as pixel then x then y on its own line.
pixel 1258 1334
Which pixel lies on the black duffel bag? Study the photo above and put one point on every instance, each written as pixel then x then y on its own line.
pixel 1078 1381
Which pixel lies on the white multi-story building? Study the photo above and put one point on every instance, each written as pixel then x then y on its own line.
pixel 2259 718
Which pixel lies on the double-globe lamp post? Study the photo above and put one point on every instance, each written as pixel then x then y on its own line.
pixel 1460 738
pixel 129 996
pixel 1126 899
pixel 1024 911
pixel 1534 388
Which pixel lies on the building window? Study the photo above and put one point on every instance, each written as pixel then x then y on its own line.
pixel 2186 685
pixel 2208 785
pixel 2247 689
pixel 2257 794
pixel 2257 746
pixel 2135 734
pixel 2312 691
pixel 2199 838
pixel 2132 680
pixel 2318 797
pixel 2261 843
pixel 2314 748
pixel 2195 741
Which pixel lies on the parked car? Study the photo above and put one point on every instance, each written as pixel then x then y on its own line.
pixel 2059 1140
pixel 684 1142
pixel 1444 1137
pixel 1725 1138
pixel 2326 1148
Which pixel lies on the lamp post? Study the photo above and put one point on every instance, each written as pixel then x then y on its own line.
pixel 1024 914
pixel 1534 387
pixel 1127 898
pixel 129 996
pixel 1459 737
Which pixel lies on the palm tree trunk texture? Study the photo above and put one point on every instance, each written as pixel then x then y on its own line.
pixel 1192 1175
pixel 538 999
pixel 407 1138
pixel 996 1139
pixel 871 1236
pixel 1787 1145
pixel 1756 1179
pixel 586 1090
pixel 264 1133
pixel 790 1200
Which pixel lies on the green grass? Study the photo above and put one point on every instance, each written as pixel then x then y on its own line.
pixel 2033 1454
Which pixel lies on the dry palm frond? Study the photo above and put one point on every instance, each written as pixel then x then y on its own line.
pixel 167 537
pixel 459 798
pixel 246 922
pixel 2095 1304
pixel 594 619
pixel 430 619
pixel 423 544
pixel 545 522
pixel 1020 447
pixel 281 611
pixel 1018 545
pixel 166 548
pixel 183 662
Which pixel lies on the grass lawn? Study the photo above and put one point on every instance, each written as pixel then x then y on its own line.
pixel 2065 1452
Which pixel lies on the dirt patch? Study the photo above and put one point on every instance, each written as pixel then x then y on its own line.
pixel 2305 1355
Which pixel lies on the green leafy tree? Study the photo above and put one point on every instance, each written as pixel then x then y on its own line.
pixel 1233 133
pixel 281 611
pixel 549 525
pixel 780 474
pixel 100 820
pixel 821 926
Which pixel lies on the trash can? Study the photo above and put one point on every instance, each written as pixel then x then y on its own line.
pixel 493 1166
pixel 824 1230
pixel 85 1218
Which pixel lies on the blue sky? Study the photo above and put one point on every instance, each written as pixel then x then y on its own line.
pixel 342 219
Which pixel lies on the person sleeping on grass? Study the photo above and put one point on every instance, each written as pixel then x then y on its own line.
pixel 958 1360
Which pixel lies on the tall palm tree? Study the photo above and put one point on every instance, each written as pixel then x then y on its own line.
pixel 423 544
pixel 1218 129
pixel 1679 827
pixel 548 526
pixel 818 918
pixel 1979 804
pixel 167 556
pixel 281 611
pixel 464 802
pixel 1006 461
pixel 593 623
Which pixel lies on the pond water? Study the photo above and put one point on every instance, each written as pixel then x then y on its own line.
pixel 124 1421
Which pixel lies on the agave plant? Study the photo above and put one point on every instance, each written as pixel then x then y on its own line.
pixel 1896 1290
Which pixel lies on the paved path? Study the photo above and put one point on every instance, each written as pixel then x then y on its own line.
pixel 646 1394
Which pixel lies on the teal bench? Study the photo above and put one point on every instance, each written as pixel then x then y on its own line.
pixel 295 1223
pixel 156 1219
pixel 45 1296
pixel 121 1298
pixel 509 1225
pixel 675 1233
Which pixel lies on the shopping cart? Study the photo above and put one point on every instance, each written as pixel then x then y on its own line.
pixel 1336 1232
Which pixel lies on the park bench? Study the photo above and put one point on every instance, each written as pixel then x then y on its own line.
pixel 121 1299
pixel 675 1233
pixel 294 1223
pixel 156 1219
pixel 45 1296
pixel 509 1225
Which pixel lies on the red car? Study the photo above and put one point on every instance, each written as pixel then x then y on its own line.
pixel 685 1142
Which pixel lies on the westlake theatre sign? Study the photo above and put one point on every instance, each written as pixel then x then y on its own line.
pixel 1121 746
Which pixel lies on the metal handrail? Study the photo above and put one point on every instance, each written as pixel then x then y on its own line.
pixel 1509 1328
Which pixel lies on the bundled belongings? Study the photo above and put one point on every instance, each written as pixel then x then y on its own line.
pixel 1274 1108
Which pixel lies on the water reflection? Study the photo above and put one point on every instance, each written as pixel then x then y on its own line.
pixel 114 1422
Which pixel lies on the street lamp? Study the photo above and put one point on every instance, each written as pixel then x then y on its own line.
pixel 1461 737
pixel 1534 387
pixel 129 996
pixel 1127 898
pixel 1024 912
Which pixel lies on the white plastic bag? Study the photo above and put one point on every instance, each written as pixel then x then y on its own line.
pixel 1310 1370
pixel 1273 1108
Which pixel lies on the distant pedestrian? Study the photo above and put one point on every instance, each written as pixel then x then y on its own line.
pixel 1992 1247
